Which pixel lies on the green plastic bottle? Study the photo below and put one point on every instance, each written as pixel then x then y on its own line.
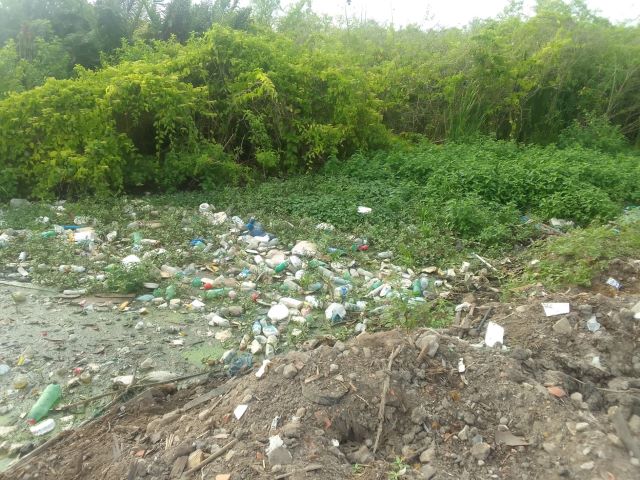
pixel 417 288
pixel 215 293
pixel 47 399
pixel 170 292
pixel 281 266
pixel 48 234
pixel 196 282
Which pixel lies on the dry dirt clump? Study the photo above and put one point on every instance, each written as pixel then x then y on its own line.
pixel 560 402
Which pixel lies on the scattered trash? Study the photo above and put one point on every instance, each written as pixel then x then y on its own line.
pixel 552 309
pixel 612 282
pixel 461 367
pixel 557 392
pixel 494 334
pixel 592 324
pixel 239 411
pixel 364 210
pixel 47 400
pixel 507 438
pixel 43 427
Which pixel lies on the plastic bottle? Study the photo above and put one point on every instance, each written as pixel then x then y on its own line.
pixel 137 241
pixel 255 228
pixel 281 266
pixel 48 234
pixel 216 293
pixel 47 399
pixel 417 287
pixel 196 282
pixel 170 292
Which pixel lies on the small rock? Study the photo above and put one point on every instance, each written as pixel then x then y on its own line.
pixel 634 424
pixel 362 456
pixel 428 455
pixel 289 371
pixel 18 202
pixel 427 472
pixel 480 451
pixel 576 398
pixel 236 311
pixel 305 249
pixel 280 456
pixel 626 315
pixel 469 418
pixel 195 458
pixel 563 327
pixel 614 439
pixel 291 430
pixel 464 433
pixel 587 466
pixel 419 415
pixel 428 343
pixel 339 346
pixel 585 310
pixel 147 364
pixel 582 426
pixel 333 368
pixel 549 447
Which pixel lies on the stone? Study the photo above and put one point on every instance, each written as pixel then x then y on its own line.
pixel 480 451
pixel 289 371
pixel 428 455
pixel 305 249
pixel 634 424
pixel 576 398
pixel 178 467
pixel 582 427
pixel 585 310
pixel 7 431
pixel 428 343
pixel 427 472
pixel 615 440
pixel 195 458
pixel 223 476
pixel 549 447
pixel 419 415
pixel 587 466
pixel 563 327
pixel 626 315
pixel 236 311
pixel 292 430
pixel 18 202
pixel 280 456
pixel 469 418
pixel 333 368
pixel 362 456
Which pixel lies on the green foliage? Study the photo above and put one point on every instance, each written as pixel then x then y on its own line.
pixel 595 133
pixel 581 256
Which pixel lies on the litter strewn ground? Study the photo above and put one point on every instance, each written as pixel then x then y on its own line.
pixel 299 377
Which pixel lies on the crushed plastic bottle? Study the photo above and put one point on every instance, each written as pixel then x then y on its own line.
pixel 255 228
pixel 240 364
pixel 47 400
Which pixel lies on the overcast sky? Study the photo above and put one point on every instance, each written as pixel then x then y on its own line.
pixel 447 13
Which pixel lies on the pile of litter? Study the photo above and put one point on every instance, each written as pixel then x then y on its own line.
pixel 421 405
pixel 239 297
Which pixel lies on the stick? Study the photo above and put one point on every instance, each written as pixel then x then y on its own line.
pixel 383 400
pixel 139 385
pixel 26 285
pixel 212 457
pixel 485 262
pixel 29 456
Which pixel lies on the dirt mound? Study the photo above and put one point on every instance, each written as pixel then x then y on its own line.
pixel 560 402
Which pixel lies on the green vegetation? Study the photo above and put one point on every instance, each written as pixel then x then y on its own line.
pixel 583 255
pixel 136 103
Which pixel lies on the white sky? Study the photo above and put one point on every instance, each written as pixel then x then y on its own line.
pixel 449 13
